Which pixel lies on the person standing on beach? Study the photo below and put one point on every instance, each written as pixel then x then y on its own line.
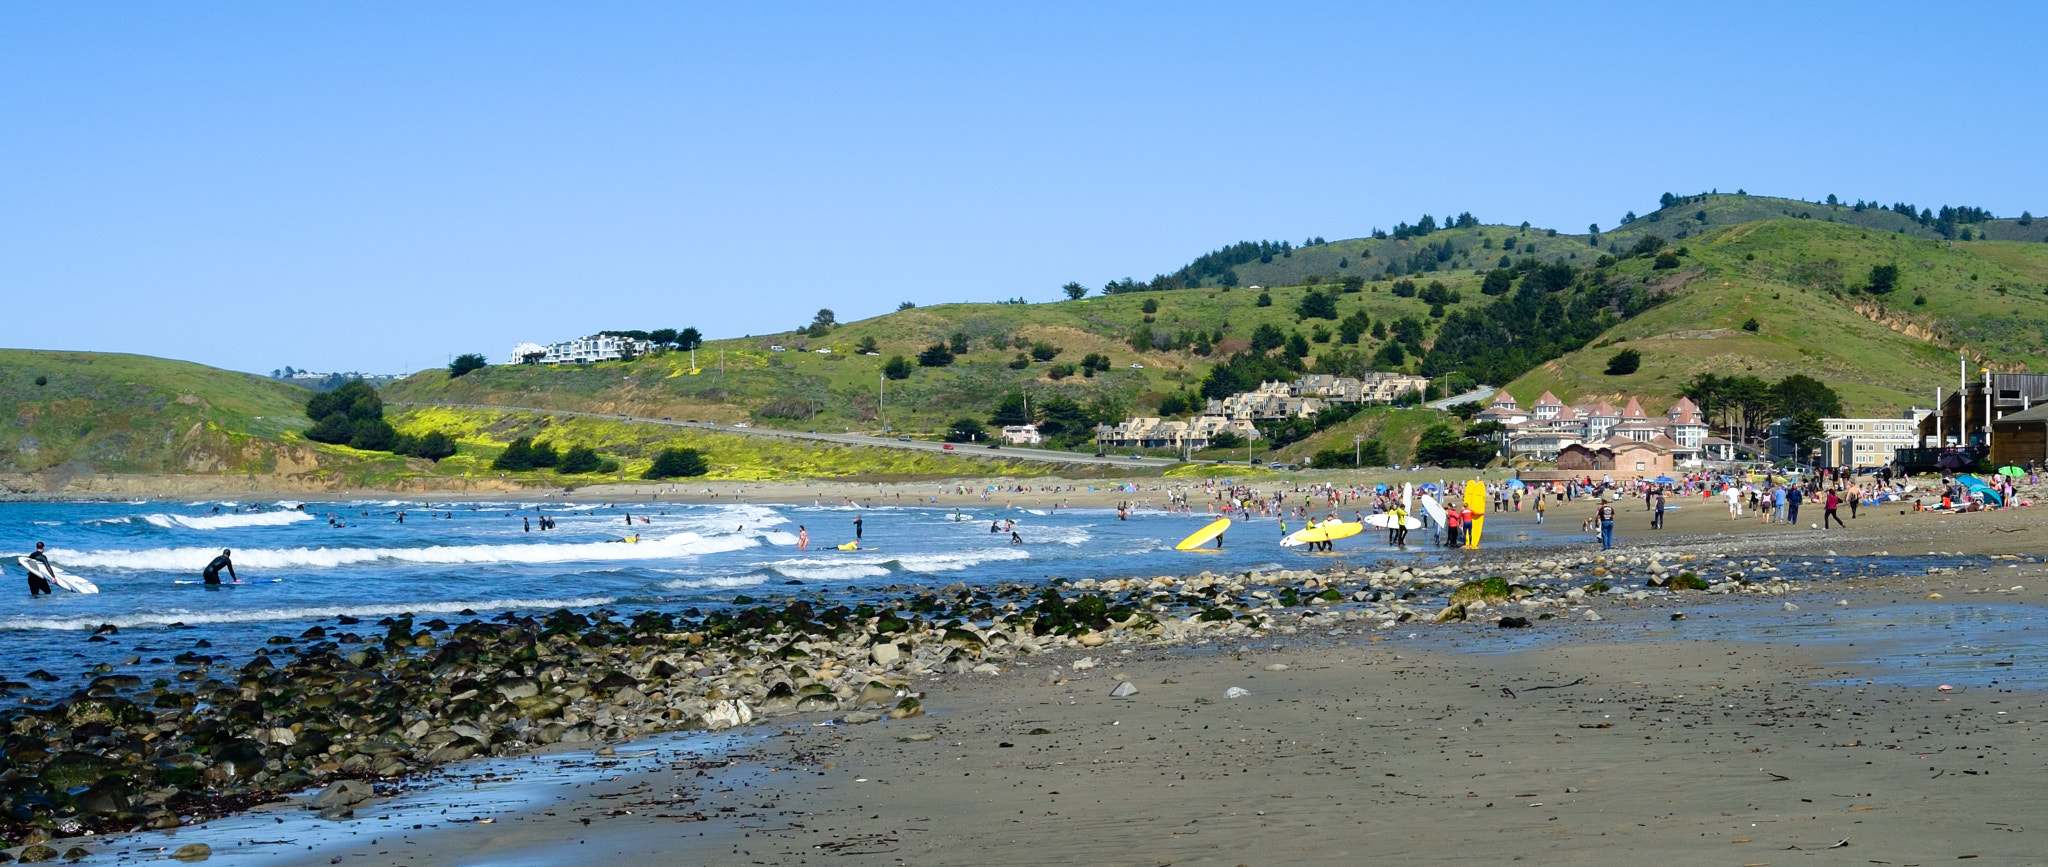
pixel 1792 499
pixel 1539 508
pixel 37 584
pixel 1657 510
pixel 1606 515
pixel 1831 504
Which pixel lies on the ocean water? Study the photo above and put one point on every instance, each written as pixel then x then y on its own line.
pixel 357 559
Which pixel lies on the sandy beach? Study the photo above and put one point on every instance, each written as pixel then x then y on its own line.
pixel 1710 740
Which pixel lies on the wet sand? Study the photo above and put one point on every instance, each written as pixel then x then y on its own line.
pixel 1636 739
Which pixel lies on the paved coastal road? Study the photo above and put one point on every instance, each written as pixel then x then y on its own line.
pixel 1478 394
pixel 1011 452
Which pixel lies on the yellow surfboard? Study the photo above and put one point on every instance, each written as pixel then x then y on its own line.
pixel 1475 499
pixel 1329 532
pixel 1214 529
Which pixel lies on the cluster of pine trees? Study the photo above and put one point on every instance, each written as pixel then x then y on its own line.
pixel 353 416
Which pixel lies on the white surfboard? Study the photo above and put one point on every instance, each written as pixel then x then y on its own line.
pixel 57 577
pixel 1435 510
pixel 1386 521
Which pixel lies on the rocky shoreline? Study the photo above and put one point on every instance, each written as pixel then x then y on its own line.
pixel 355 703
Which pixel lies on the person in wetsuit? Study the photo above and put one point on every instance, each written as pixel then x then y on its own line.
pixel 212 573
pixel 37 584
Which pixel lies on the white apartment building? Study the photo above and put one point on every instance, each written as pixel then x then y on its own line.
pixel 582 350
pixel 1857 442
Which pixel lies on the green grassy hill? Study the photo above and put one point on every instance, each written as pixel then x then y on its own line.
pixel 747 380
pixel 1798 268
pixel 1422 258
pixel 1802 281
pixel 103 412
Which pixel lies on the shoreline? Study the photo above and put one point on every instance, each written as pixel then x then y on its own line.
pixel 1259 609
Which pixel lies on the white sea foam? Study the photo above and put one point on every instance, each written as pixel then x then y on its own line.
pixel 747 580
pixel 221 522
pixel 312 612
pixel 191 559
pixel 121 520
pixel 777 537
pixel 854 565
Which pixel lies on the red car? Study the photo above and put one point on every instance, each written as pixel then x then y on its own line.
pixel 947 447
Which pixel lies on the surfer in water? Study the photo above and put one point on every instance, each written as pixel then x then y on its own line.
pixel 856 529
pixel 212 573
pixel 37 584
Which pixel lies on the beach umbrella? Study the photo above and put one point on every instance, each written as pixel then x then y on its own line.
pixel 1664 480
pixel 1516 483
pixel 2014 472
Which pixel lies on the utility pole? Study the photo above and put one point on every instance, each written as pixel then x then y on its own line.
pixel 880 396
pixel 1357 443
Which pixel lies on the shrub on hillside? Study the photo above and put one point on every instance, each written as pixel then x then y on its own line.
pixel 935 355
pixel 898 367
pixel 676 463
pixel 1624 363
pixel 465 363
pixel 966 430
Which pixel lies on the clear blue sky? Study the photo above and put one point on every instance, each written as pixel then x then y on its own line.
pixel 379 186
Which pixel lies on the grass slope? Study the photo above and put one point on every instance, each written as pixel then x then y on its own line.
pixel 843 384
pixel 1802 280
pixel 1473 248
pixel 115 413
pixel 732 457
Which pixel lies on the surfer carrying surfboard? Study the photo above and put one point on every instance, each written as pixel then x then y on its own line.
pixel 37 584
pixel 212 572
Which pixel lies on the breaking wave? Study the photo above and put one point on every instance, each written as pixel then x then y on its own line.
pixel 191 559
pixel 857 566
pixel 312 612
pixel 222 522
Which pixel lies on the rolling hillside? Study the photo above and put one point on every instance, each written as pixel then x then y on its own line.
pixel 802 388
pixel 1803 282
pixel 99 412
pixel 1798 268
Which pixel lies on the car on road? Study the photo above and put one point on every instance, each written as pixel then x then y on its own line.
pixel 1137 457
pixel 691 421
pixel 1136 366
pixel 995 445
pixel 742 424
pixel 947 447
pixel 666 418
pixel 903 439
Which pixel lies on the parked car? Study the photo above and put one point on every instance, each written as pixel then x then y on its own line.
pixel 742 424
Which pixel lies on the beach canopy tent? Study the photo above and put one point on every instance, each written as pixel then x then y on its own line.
pixel 1665 480
pixel 2014 472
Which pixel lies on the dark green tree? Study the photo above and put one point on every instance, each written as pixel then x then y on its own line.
pixel 868 346
pixel 1801 393
pixel 465 363
pixel 579 460
pixel 1624 362
pixel 1883 279
pixel 688 339
pixel 966 430
pixel 517 456
pixel 935 355
pixel 1316 305
pixel 1013 410
pixel 1074 291
pixel 1044 351
pixel 675 463
pixel 1297 346
pixel 898 367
